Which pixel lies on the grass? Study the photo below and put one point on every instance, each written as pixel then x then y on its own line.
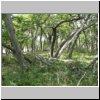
pixel 59 73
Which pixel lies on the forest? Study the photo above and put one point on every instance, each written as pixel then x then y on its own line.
pixel 50 49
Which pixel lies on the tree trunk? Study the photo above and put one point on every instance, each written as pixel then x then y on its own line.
pixel 90 41
pixel 72 47
pixel 49 38
pixel 10 28
pixel 93 44
pixel 41 41
pixel 27 47
pixel 53 41
pixel 11 49
pixel 96 45
pixel 79 42
pixel 56 44
pixel 86 41
pixel 66 42
pixel 32 42
pixel 34 36
pixel 59 50
pixel 71 38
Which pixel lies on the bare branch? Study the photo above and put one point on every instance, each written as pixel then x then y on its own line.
pixel 81 79
pixel 70 20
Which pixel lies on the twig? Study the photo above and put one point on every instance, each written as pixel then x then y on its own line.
pixel 81 79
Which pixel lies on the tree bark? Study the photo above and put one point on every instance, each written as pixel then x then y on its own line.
pixel 34 36
pixel 62 44
pixel 72 47
pixel 32 46
pixel 10 29
pixel 70 39
pixel 10 48
pixel 55 34
pixel 41 47
pixel 53 41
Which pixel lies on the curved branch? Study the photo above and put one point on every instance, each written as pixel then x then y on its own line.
pixel 69 20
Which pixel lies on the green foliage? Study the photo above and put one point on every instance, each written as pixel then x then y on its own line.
pixel 29 30
pixel 59 73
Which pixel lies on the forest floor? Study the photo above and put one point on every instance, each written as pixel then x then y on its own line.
pixel 59 72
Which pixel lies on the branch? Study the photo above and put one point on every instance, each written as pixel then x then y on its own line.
pixel 81 79
pixel 8 47
pixel 46 19
pixel 70 20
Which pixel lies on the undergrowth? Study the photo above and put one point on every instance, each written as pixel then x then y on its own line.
pixel 59 73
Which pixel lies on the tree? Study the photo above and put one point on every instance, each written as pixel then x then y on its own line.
pixel 17 51
pixel 73 37
pixel 54 33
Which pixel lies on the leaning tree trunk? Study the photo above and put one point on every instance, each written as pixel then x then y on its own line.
pixel 10 29
pixel 63 45
pixel 11 49
pixel 72 47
